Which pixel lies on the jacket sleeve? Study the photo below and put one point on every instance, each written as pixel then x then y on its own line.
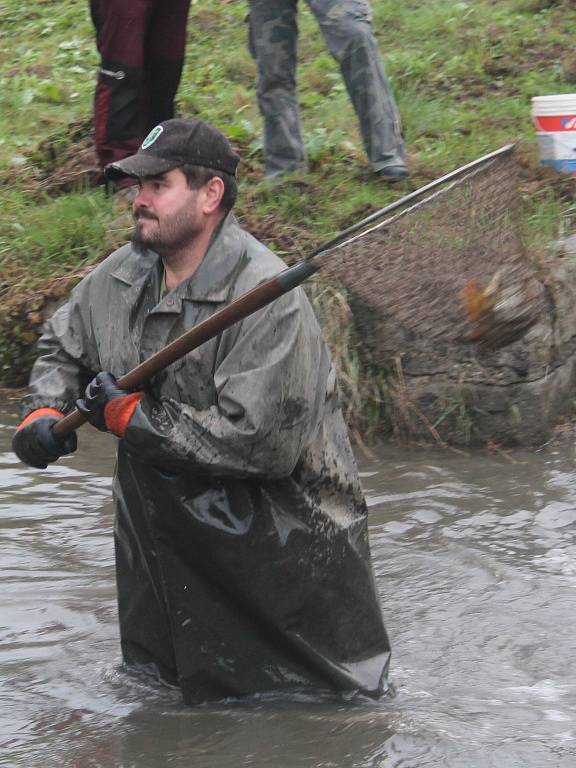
pixel 270 393
pixel 67 359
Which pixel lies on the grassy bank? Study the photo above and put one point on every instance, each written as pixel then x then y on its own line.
pixel 463 74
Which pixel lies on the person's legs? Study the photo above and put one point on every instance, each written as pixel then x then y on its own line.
pixel 119 125
pixel 346 26
pixel 273 37
pixel 164 58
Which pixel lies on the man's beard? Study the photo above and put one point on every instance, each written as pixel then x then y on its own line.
pixel 174 233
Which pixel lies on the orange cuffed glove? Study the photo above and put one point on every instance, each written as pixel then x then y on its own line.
pixel 106 406
pixel 34 442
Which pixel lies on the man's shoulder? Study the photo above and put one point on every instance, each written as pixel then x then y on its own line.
pixel 125 264
pixel 259 262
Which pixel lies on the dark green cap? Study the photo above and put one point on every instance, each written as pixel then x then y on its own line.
pixel 174 143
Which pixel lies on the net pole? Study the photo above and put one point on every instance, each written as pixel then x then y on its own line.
pixel 505 150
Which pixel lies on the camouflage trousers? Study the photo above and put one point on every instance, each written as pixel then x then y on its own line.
pixel 346 27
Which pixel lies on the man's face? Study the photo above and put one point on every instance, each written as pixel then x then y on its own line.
pixel 167 213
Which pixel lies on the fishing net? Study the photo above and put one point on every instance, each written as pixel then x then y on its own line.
pixel 450 265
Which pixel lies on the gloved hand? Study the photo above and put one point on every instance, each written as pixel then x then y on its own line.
pixel 36 445
pixel 106 406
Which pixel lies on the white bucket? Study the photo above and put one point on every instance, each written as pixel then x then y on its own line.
pixel 555 121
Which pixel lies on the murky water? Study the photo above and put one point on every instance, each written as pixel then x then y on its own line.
pixel 475 558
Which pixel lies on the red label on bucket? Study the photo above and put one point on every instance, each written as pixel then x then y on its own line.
pixel 556 122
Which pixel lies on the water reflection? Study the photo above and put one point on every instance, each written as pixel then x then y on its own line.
pixel 475 563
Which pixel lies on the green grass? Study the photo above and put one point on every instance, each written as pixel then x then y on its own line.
pixel 433 52
pixel 47 65
pixel 463 73
pixel 41 242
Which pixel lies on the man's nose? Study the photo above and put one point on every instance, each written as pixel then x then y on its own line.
pixel 141 200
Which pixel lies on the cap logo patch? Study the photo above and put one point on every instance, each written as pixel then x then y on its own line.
pixel 152 136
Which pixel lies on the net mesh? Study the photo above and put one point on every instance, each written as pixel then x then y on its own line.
pixel 451 266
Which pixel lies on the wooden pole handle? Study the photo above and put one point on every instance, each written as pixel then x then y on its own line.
pixel 239 309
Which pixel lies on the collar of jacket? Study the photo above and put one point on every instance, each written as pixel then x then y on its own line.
pixel 210 283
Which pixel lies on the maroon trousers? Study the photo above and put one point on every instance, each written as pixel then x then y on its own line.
pixel 141 45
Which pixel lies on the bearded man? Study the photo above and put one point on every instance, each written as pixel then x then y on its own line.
pixel 242 552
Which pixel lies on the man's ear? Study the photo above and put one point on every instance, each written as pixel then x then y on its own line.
pixel 213 193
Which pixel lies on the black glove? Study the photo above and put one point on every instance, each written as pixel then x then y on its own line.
pixel 37 446
pixel 98 394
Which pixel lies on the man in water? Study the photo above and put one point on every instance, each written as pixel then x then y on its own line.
pixel 242 551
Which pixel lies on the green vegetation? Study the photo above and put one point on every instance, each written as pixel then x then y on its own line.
pixel 56 234
pixel 463 73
